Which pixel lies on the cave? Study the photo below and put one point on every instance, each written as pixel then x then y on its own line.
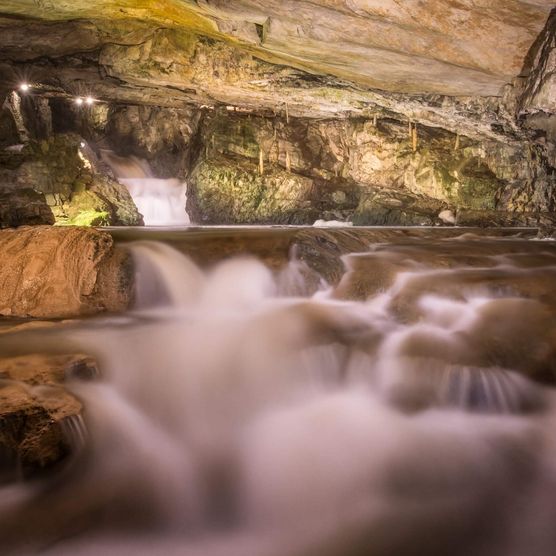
pixel 277 277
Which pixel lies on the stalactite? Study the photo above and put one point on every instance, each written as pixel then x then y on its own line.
pixel 287 114
pixel 375 120
pixel 456 145
pixel 261 162
pixel 414 138
pixel 288 162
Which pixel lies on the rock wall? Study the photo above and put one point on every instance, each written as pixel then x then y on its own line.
pixel 219 93
pixel 379 171
pixel 47 176
pixel 163 136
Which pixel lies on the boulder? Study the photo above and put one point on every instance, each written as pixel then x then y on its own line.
pixel 54 272
pixel 23 206
pixel 36 412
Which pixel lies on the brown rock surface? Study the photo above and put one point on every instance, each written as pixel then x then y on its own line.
pixel 35 409
pixel 62 272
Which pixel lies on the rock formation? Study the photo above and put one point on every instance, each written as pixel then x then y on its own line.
pixel 419 108
pixel 62 272
pixel 39 418
pixel 57 178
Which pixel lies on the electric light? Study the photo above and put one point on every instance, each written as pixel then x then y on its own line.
pixel 89 100
pixel 79 101
pixel 24 87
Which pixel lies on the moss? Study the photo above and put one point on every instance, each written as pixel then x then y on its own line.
pixel 89 218
pixel 236 136
pixel 87 209
pixel 227 192
pixel 478 194
pixel 447 182
pixel 466 183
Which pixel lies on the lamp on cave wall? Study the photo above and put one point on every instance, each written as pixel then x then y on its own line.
pixel 24 87
pixel 88 100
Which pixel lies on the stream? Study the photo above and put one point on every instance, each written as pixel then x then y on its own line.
pixel 248 407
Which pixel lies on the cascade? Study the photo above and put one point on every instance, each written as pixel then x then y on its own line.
pixel 238 414
pixel 160 201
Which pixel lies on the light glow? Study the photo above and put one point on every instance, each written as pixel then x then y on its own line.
pixel 79 101
pixel 89 100
pixel 24 87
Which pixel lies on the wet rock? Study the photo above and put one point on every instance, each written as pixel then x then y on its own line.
pixel 35 411
pixel 546 232
pixel 368 171
pixel 395 208
pixel 62 272
pixel 47 369
pixel 451 269
pixel 447 216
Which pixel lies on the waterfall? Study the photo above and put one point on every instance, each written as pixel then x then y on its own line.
pixel 239 415
pixel 160 201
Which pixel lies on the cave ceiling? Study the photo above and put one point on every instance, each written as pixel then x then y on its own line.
pixel 428 60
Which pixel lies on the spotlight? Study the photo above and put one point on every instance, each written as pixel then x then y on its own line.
pixel 82 144
pixel 24 87
pixel 79 101
pixel 89 100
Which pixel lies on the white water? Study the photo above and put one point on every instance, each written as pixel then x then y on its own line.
pixel 236 420
pixel 331 224
pixel 160 201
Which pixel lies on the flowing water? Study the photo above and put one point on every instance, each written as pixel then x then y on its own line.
pixel 160 201
pixel 249 412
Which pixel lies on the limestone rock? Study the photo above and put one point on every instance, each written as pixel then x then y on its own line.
pixel 47 369
pixel 229 191
pixel 430 46
pixel 446 69
pixel 540 89
pixel 447 216
pixel 383 207
pixel 62 272
pixel 366 170
pixel 163 136
pixel 35 411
